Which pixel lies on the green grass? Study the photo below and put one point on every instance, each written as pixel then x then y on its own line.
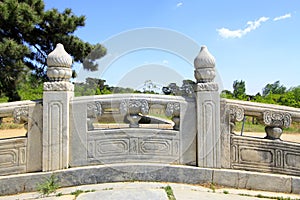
pixel 108 188
pixel 257 127
pixel 76 193
pixel 8 123
pixel 267 197
pixel 212 187
pixel 169 192
pixel 5 126
pixel 50 185
pixel 59 194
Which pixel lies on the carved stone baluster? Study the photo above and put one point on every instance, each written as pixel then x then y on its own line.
pixel 274 122
pixel 173 110
pixel 208 111
pixel 58 93
pixel 236 115
pixel 20 115
pixel 94 111
pixel 133 109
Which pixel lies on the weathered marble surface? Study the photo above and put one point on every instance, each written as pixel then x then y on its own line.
pixel 152 172
pixel 102 146
pixel 265 155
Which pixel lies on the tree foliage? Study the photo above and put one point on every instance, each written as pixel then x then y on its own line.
pixel 28 33
pixel 273 93
pixel 239 89
pixel 274 88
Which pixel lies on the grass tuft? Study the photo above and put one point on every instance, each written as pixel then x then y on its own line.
pixel 169 192
pixel 50 185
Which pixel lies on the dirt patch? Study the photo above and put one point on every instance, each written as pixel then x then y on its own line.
pixel 12 133
pixel 289 137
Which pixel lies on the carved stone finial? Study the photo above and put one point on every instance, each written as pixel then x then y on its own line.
pixel 59 57
pixel 204 65
pixel 59 62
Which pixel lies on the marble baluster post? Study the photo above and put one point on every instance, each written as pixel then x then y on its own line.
pixel 56 105
pixel 208 111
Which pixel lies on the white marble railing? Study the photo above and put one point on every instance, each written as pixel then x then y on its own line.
pixel 20 155
pixel 274 117
pixel 18 109
pixel 133 107
pixel 131 143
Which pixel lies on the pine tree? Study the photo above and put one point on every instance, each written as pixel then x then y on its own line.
pixel 28 33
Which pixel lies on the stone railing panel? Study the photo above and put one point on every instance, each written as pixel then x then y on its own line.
pixel 132 144
pixel 29 148
pixel 13 156
pixel 265 155
pixel 274 117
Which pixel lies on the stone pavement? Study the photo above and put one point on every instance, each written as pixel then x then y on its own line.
pixel 150 190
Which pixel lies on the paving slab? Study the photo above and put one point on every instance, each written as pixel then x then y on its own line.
pixel 130 194
pixel 150 190
pixel 196 195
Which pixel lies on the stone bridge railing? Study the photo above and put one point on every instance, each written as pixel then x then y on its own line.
pixel 24 154
pixel 274 117
pixel 63 131
pixel 266 155
pixel 132 143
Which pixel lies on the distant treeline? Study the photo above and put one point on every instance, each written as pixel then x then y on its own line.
pixel 31 88
pixel 273 93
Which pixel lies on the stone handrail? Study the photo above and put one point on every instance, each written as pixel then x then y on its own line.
pixel 18 110
pixel 132 105
pixel 274 117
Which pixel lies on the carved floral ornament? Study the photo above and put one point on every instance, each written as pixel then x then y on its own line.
pixel 20 114
pixel 207 87
pixel 277 119
pixel 173 109
pixel 94 110
pixel 134 106
pixel 236 113
pixel 58 86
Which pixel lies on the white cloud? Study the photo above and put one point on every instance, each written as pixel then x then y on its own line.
pixel 283 17
pixel 251 25
pixel 165 62
pixel 179 4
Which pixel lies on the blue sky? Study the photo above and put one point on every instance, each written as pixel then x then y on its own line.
pixel 252 40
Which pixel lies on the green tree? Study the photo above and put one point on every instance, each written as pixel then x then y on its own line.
pixel 226 94
pixel 274 88
pixel 28 33
pixel 239 89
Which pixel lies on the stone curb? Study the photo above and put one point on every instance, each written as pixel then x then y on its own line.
pixel 14 184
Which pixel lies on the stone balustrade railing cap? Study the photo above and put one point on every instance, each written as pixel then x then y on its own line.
pixel 59 57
